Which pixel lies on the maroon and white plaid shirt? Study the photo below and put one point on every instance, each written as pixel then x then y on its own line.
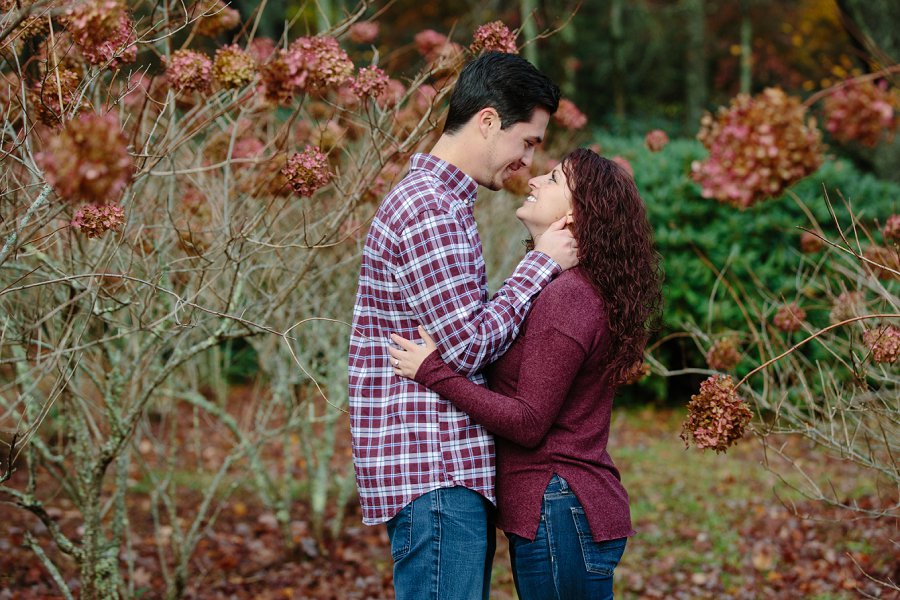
pixel 423 264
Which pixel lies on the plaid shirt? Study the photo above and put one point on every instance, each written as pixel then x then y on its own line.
pixel 423 264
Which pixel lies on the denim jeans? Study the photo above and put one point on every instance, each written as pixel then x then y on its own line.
pixel 563 562
pixel 443 546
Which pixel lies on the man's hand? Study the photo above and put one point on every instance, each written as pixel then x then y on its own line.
pixel 559 244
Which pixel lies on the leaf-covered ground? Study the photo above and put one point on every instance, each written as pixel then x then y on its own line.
pixel 709 527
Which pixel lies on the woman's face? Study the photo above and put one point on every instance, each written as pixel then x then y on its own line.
pixel 549 201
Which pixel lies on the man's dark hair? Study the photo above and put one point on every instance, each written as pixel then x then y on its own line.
pixel 506 82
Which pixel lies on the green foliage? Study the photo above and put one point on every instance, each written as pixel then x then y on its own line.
pixel 754 248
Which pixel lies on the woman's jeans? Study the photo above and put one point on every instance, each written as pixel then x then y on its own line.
pixel 443 546
pixel 563 562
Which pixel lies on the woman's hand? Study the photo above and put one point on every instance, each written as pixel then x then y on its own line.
pixel 407 359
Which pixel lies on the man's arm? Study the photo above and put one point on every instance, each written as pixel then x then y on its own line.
pixel 437 274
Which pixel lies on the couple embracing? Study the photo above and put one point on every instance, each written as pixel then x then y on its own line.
pixel 469 411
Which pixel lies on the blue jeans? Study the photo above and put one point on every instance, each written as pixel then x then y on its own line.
pixel 563 562
pixel 443 546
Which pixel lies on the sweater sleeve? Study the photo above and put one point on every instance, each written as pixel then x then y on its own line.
pixel 551 361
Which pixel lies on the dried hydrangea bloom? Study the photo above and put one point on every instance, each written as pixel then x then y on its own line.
pixel 218 17
pixel 861 111
pixel 391 95
pixel 716 417
pixel 494 37
pixel 370 82
pixel 789 317
pixel 758 146
pixel 364 33
pixel 103 32
pixel 883 343
pixel 307 171
pixel 429 43
pixel 724 354
pixel 568 116
pixel 318 62
pixel 189 71
pixel 45 94
pixel 847 306
pixel 891 229
pixel 275 79
pixel 261 49
pixel 656 140
pixel 624 164
pixel 233 68
pixel 639 372
pixel 94 220
pixel 88 160
pixel 886 262
pixel 810 243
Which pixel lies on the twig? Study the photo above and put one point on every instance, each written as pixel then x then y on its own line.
pixel 812 337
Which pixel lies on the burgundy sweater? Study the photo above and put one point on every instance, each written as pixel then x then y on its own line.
pixel 551 409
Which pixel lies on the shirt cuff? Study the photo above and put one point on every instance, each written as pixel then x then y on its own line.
pixel 544 263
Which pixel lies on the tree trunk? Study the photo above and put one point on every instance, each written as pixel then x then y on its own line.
pixel 696 86
pixel 529 28
pixel 617 39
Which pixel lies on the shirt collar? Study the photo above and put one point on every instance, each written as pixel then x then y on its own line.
pixel 461 186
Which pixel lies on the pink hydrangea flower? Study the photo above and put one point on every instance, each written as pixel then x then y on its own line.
pixel 758 146
pixel 861 112
pixel 45 94
pixel 189 71
pixel 96 219
pixel 370 82
pixel 656 140
pixel 494 37
pixel 810 243
pixel 624 164
pixel 846 306
pixel 716 417
pixel 891 229
pixel 261 49
pixel 568 115
pixel 88 160
pixel 724 354
pixel 391 95
pixel 883 343
pixel 307 171
pixel 319 62
pixel 789 317
pixel 103 32
pixel 365 32
pixel 218 17
pixel 429 43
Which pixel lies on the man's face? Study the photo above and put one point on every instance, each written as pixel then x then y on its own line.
pixel 512 148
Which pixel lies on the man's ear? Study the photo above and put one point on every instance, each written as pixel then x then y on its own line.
pixel 488 120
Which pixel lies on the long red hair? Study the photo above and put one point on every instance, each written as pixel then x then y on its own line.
pixel 617 255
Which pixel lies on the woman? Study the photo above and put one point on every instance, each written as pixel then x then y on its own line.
pixel 559 496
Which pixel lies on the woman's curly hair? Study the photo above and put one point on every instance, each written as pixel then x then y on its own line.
pixel 617 255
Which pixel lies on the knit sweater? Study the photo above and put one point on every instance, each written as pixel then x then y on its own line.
pixel 550 407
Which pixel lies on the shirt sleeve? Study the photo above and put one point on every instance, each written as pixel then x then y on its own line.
pixel 544 383
pixel 439 277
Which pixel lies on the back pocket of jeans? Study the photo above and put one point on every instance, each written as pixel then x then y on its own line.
pixel 599 557
pixel 400 532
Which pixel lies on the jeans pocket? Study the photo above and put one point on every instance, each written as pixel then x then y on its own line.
pixel 400 532
pixel 599 557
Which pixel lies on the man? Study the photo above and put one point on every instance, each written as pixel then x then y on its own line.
pixel 422 466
